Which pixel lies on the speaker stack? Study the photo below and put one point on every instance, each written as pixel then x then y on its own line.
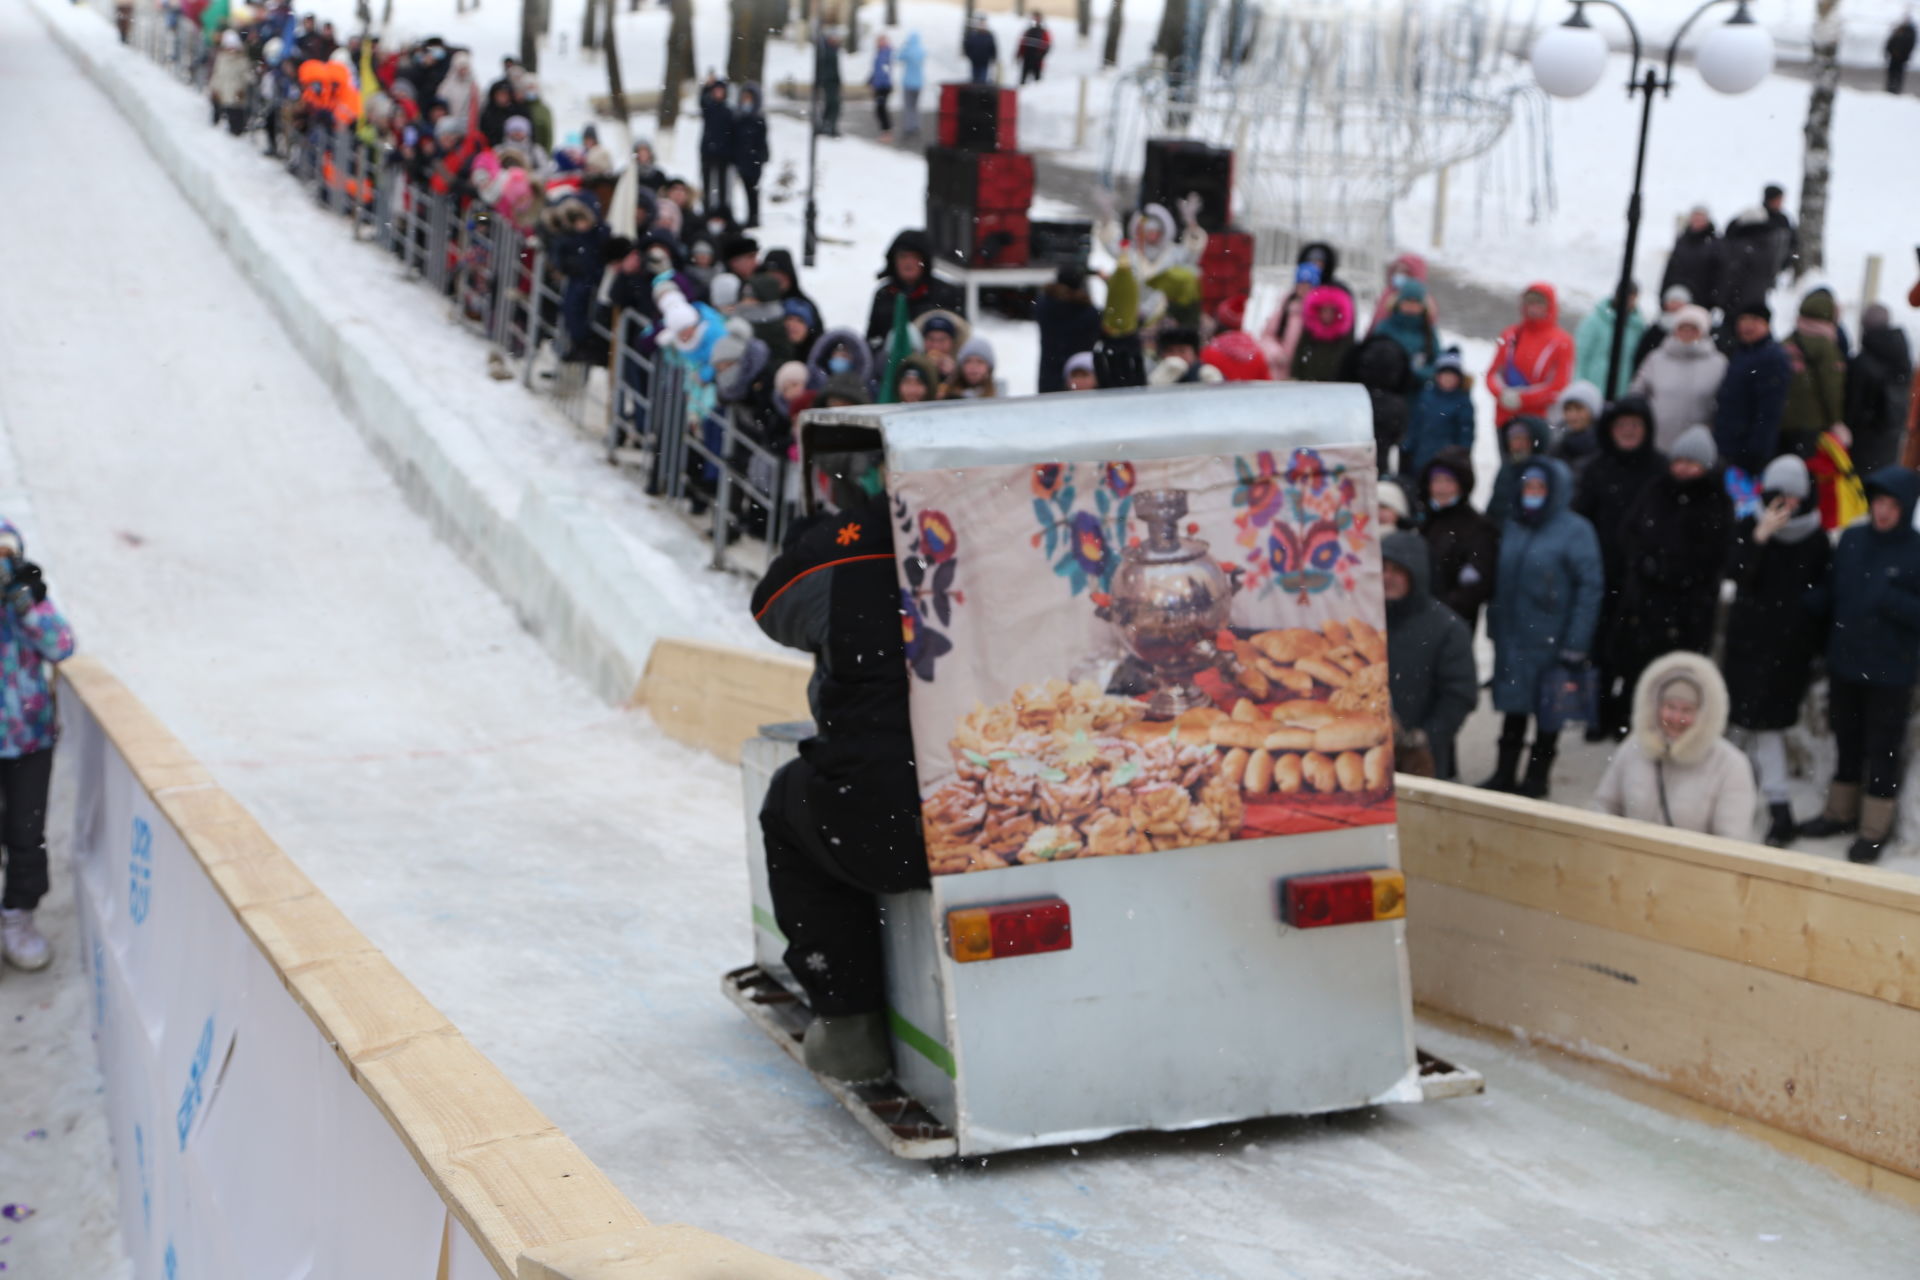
pixel 979 185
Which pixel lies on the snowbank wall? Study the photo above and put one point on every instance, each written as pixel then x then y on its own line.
pixel 1780 991
pixel 555 558
pixel 1779 987
pixel 282 1101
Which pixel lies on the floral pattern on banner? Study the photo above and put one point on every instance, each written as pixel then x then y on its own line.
pixel 1301 526
pixel 1083 545
pixel 929 566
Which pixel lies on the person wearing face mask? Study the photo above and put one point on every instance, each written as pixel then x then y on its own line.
pixel 1465 545
pixel 1405 269
pixel 1871 603
pixel 1677 770
pixel 1772 637
pixel 841 354
pixel 33 636
pixel 1534 360
pixel 1674 542
pixel 1432 682
pixel 1681 379
pixel 1546 604
pixel 1609 484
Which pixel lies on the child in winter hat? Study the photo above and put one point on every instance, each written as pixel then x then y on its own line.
pixel 1441 416
pixel 972 372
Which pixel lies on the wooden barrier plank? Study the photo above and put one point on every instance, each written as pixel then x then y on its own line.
pixel 514 1181
pixel 715 696
pixel 1739 903
pixel 670 1251
pixel 367 1005
pixel 1838 1068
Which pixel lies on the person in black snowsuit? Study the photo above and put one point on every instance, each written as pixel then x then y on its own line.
pixel 1383 367
pixel 1899 53
pixel 1779 556
pixel 749 152
pixel 1069 324
pixel 982 51
pixel 842 823
pixel 1673 546
pixel 1752 253
pixel 1465 544
pixel 716 148
pixel 1433 683
pixel 1871 602
pixel 1695 261
pixel 1879 381
pixel 1610 482
pixel 909 273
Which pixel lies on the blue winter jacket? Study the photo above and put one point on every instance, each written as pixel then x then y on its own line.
pixel 1753 394
pixel 913 64
pixel 881 77
pixel 1547 598
pixel 1439 420
pixel 1872 594
pixel 29 644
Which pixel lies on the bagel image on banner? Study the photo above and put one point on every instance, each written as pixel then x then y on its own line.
pixel 1126 657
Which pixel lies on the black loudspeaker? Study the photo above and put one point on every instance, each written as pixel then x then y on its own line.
pixel 1177 166
pixel 1060 244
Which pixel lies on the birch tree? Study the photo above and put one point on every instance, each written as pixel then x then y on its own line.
pixel 1817 169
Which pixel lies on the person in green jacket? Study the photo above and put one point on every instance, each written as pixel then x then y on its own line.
pixel 1593 345
pixel 1817 392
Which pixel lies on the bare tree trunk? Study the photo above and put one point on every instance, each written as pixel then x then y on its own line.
pixel 852 42
pixel 679 62
pixel 590 26
pixel 531 23
pixel 615 91
pixel 386 16
pixel 1083 17
pixel 754 21
pixel 893 13
pixel 1817 169
pixel 1110 57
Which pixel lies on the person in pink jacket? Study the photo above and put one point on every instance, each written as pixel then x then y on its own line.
pixel 1281 334
pixel 1534 361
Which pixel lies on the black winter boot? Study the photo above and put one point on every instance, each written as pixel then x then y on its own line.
pixel 1781 831
pixel 1504 768
pixel 1539 777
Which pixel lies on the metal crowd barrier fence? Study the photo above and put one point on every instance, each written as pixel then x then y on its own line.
pixel 501 286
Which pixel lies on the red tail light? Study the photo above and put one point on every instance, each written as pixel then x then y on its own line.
pixel 1009 929
pixel 1343 897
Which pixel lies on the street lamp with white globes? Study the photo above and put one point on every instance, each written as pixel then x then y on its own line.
pixel 1570 59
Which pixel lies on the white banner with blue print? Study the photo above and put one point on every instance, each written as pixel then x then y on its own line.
pixel 243 1149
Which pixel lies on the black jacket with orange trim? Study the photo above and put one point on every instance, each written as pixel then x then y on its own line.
pixel 834 593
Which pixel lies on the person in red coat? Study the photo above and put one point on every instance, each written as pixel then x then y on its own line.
pixel 1534 361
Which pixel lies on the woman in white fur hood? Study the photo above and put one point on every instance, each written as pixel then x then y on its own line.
pixel 1676 769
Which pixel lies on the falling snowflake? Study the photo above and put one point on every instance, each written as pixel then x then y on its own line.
pixel 817 962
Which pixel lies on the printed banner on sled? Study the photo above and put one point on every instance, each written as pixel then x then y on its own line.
pixel 1119 658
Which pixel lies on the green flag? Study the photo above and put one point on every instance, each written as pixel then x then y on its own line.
pixel 899 347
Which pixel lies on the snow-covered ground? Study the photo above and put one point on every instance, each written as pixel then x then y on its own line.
pixel 567 886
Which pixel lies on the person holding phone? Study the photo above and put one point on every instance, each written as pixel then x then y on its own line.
pixel 1773 638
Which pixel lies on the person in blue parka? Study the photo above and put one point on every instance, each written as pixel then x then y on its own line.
pixel 1546 602
pixel 1871 603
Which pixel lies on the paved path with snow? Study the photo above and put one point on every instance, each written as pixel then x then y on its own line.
pixel 568 887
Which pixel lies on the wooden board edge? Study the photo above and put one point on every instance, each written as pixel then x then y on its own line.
pixel 1886 1183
